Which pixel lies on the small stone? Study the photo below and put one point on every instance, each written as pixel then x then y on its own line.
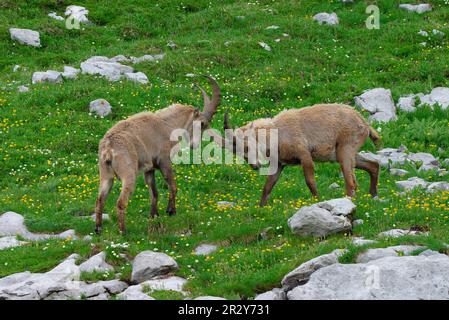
pixel 171 45
pixel 334 186
pixel 205 249
pixel 360 241
pixel 273 27
pixel 137 77
pixel 357 222
pixel 418 8
pixel 23 89
pixel 423 33
pixel 101 107
pixel 326 18
pixel 265 46
pixel 438 32
pixel 55 16
pixel 398 172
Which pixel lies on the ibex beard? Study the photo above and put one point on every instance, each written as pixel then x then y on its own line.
pixel 141 144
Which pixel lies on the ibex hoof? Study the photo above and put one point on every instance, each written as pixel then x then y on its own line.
pixel 98 230
pixel 171 211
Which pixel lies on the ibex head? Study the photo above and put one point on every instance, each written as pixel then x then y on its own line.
pixel 245 140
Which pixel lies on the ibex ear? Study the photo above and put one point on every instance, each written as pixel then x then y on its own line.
pixel 196 112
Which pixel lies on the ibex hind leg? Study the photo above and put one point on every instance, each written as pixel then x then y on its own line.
pixel 127 171
pixel 106 183
pixel 169 177
pixel 346 159
pixel 372 167
pixel 150 180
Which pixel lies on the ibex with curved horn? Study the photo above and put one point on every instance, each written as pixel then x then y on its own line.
pixel 142 143
pixel 324 132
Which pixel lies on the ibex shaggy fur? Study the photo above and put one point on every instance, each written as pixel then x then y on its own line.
pixel 142 143
pixel 324 132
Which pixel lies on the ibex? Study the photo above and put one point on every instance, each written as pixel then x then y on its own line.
pixel 142 143
pixel 323 132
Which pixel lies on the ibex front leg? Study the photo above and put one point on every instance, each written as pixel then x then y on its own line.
pixel 169 177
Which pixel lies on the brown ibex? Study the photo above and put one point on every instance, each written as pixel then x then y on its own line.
pixel 323 132
pixel 142 143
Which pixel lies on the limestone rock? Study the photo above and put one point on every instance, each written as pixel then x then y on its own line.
pixel 326 18
pixel 25 36
pixel 149 264
pixel 96 263
pixel 101 107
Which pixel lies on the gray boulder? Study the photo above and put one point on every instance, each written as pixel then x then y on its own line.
pixel 50 76
pixel 25 36
pixel 439 95
pixel 302 273
pixel 103 66
pixel 139 77
pixel 396 233
pixel 149 264
pixel 438 186
pixel 134 293
pixel 323 218
pixel 13 224
pixel 407 103
pixel 389 278
pixel 379 103
pixel 378 253
pixel 96 263
pixel 10 242
pixel 418 8
pixel 360 241
pixel 275 294
pixel 209 298
pixel 412 183
pixel 70 72
pixel 172 283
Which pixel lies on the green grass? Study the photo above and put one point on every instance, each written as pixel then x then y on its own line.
pixel 48 140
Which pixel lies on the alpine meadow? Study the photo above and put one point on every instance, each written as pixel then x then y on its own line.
pixel 266 56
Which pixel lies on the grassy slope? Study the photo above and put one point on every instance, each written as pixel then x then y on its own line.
pixel 48 140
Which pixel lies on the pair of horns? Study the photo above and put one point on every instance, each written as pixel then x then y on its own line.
pixel 210 104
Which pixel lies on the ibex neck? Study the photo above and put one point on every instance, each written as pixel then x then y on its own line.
pixel 177 115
